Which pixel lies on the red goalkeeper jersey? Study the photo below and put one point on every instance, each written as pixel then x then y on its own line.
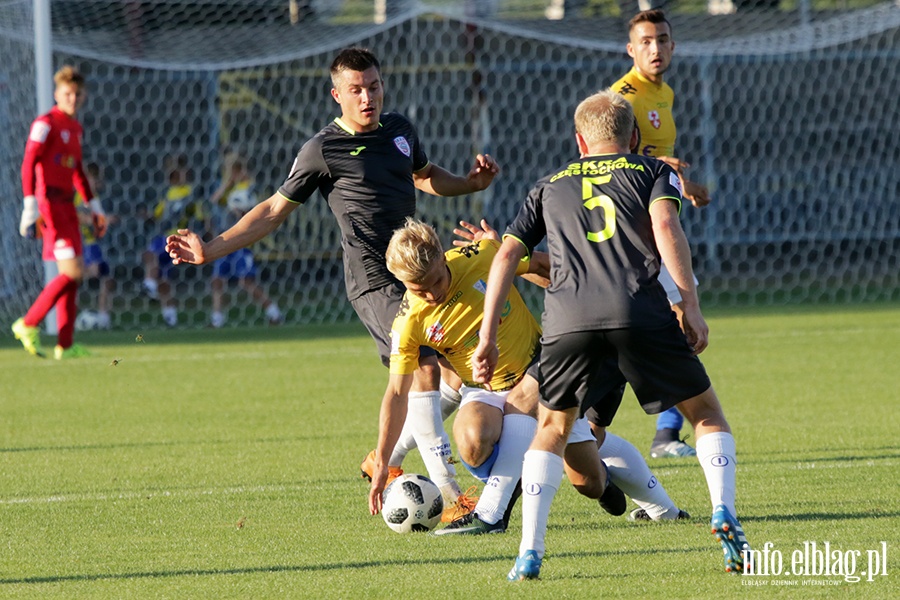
pixel 52 168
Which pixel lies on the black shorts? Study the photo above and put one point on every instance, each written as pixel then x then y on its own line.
pixel 583 369
pixel 377 309
pixel 604 409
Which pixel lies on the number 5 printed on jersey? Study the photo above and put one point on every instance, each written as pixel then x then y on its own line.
pixel 600 201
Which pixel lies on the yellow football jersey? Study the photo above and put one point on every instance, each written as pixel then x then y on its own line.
pixel 653 108
pixel 177 209
pixel 452 328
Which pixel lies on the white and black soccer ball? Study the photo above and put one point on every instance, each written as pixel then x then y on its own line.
pixel 412 503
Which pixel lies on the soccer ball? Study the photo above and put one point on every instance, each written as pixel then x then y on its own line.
pixel 412 503
pixel 87 320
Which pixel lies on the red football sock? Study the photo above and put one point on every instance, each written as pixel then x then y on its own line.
pixel 52 292
pixel 65 316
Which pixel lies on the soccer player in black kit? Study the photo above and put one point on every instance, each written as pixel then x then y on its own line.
pixel 609 217
pixel 368 165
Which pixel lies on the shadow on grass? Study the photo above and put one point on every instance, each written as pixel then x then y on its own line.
pixel 818 517
pixel 379 564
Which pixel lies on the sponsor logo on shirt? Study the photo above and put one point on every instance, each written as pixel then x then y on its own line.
pixel 627 89
pixel 653 117
pixel 436 333
pixel 39 132
pixel 480 286
pixel 357 151
pixel 402 145
pixel 65 135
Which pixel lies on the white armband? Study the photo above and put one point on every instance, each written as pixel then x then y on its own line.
pixel 672 291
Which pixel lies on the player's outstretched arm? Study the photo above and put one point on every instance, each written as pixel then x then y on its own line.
pixel 390 423
pixel 440 182
pixel 676 254
pixel 698 194
pixel 263 219
pixel 503 270
pixel 469 232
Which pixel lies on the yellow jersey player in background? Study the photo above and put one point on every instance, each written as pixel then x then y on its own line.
pixel 651 45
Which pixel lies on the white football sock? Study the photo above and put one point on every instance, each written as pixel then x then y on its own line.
pixel 515 437
pixel 424 418
pixel 716 453
pixel 449 403
pixel 450 399
pixel 405 443
pixel 541 475
pixel 629 471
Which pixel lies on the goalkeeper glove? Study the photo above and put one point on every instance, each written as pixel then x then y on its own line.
pixel 30 216
pixel 99 217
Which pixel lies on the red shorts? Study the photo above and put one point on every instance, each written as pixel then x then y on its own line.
pixel 60 229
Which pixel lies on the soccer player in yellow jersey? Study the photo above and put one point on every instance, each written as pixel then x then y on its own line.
pixel 442 309
pixel 651 45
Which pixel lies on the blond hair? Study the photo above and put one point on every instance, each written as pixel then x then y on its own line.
pixel 413 250
pixel 69 75
pixel 605 117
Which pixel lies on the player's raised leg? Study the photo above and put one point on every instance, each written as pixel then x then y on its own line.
pixel 630 472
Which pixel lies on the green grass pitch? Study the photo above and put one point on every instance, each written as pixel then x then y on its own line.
pixel 224 464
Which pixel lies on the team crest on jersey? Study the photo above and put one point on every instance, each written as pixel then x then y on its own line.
pixel 480 286
pixel 436 333
pixel 653 117
pixel 402 145
pixel 64 134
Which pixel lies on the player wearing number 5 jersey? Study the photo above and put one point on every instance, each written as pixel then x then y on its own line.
pixel 51 172
pixel 609 218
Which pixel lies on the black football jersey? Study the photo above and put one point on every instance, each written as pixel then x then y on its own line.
pixel 604 261
pixel 367 179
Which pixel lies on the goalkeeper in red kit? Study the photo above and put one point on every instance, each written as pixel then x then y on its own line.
pixel 51 173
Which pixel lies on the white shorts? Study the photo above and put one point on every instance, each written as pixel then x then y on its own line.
pixel 472 394
pixel 581 432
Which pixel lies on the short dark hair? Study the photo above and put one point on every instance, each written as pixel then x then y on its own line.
pixel 353 59
pixel 655 16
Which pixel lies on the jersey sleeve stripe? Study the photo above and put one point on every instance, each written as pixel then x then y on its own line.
pixel 511 236
pixel 288 199
pixel 674 199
